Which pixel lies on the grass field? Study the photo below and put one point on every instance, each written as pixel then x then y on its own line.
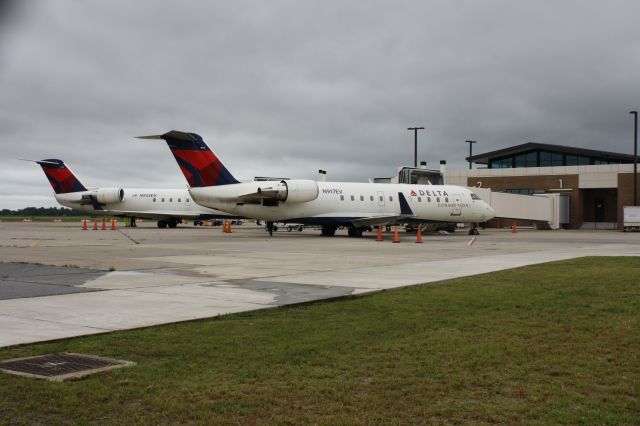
pixel 546 344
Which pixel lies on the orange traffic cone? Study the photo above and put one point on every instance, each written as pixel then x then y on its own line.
pixel 95 225
pixel 396 237
pixel 229 231
pixel 379 236
pixel 514 228
pixel 224 226
pixel 113 224
pixel 419 235
pixel 84 225
pixel 104 224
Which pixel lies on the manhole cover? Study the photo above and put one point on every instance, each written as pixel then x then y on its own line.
pixel 60 366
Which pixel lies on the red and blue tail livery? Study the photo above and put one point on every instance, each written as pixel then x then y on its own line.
pixel 199 165
pixel 61 177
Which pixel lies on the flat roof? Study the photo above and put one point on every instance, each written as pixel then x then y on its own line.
pixel 534 146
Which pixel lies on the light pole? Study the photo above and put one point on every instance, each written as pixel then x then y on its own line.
pixel 470 151
pixel 635 157
pixel 415 144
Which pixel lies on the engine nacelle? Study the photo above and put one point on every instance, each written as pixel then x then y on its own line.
pixel 291 191
pixel 109 195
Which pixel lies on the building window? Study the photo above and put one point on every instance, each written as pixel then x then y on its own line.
pixel 504 163
pixel 520 191
pixel 550 159
pixel 600 162
pixel 527 160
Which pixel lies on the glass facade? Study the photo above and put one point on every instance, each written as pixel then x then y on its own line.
pixel 544 159
pixel 505 163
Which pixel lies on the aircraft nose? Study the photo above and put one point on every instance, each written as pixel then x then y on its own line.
pixel 491 213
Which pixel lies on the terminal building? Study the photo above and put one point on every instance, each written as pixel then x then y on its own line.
pixel 597 184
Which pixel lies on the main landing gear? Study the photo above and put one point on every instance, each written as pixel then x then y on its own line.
pixel 355 232
pixel 473 229
pixel 329 230
pixel 168 223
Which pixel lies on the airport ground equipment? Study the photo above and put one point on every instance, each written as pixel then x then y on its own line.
pixel 631 218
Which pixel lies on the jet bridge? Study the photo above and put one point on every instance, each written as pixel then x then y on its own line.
pixel 552 208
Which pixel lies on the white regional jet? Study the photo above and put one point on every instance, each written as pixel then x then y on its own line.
pixel 329 204
pixel 168 206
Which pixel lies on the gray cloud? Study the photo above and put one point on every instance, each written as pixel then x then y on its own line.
pixel 287 87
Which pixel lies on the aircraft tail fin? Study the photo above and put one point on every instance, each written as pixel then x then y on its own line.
pixel 60 176
pixel 199 165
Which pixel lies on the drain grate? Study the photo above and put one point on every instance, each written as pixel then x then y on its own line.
pixel 60 366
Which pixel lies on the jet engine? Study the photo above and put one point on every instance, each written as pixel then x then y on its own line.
pixel 109 195
pixel 291 191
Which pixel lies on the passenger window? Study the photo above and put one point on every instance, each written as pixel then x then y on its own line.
pixel 381 198
pixel 162 200
pixel 390 198
pixel 353 198
pixel 342 198
pixel 186 199
pixel 371 197
pixel 154 200
pixel 362 198
pixel 438 199
pixel 446 199
pixel 171 200
pixel 179 199
pixel 419 199
pixel 428 199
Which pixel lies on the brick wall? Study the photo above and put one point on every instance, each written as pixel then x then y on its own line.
pixel 625 194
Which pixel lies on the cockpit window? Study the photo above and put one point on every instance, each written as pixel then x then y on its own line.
pixel 475 197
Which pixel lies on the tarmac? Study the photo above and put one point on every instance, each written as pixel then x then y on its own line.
pixel 57 281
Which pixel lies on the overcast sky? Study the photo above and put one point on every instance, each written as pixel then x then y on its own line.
pixel 284 88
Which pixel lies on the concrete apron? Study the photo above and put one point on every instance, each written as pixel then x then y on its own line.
pixel 126 300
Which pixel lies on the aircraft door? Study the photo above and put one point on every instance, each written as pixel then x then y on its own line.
pixel 380 198
pixel 457 205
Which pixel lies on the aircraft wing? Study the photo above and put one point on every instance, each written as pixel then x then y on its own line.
pixel 163 214
pixel 380 220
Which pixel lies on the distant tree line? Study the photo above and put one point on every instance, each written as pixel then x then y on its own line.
pixel 41 211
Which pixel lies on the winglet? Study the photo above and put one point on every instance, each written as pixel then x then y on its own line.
pixel 404 205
